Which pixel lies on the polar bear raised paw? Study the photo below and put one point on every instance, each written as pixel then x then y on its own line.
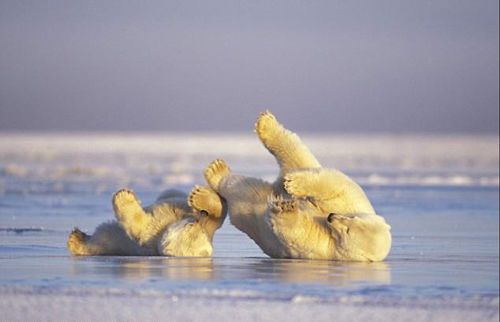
pixel 205 200
pixel 286 146
pixel 128 211
pixel 125 202
pixel 215 172
pixel 266 125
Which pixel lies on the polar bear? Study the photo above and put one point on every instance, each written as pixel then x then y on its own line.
pixel 308 212
pixel 174 225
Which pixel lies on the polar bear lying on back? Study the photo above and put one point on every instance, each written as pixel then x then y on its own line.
pixel 175 225
pixel 308 212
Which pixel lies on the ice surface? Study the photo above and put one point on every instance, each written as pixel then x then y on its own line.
pixel 440 195
pixel 118 305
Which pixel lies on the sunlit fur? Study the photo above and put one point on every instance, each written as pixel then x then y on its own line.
pixel 289 218
pixel 185 238
pixel 175 225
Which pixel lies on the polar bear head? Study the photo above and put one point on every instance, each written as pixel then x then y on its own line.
pixel 185 238
pixel 363 237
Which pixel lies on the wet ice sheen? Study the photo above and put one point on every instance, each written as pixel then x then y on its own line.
pixel 441 201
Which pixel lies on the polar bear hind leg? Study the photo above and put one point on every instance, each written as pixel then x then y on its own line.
pixel 286 146
pixel 77 243
pixel 215 172
pixel 246 197
pixel 130 214
pixel 109 238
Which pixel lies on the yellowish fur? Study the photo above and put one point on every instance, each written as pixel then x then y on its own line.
pixel 289 218
pixel 175 225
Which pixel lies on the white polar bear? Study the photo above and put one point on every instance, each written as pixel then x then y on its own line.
pixel 308 212
pixel 175 225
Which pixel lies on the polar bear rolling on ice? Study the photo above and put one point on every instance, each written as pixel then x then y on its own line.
pixel 308 212
pixel 175 225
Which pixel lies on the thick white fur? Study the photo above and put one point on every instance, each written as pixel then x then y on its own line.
pixel 308 212
pixel 175 225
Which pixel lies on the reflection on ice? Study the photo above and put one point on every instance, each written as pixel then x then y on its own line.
pixel 144 268
pixel 172 269
pixel 325 272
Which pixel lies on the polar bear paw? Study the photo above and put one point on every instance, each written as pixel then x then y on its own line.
pixel 295 183
pixel 215 172
pixel 279 205
pixel 76 242
pixel 204 199
pixel 266 125
pixel 125 203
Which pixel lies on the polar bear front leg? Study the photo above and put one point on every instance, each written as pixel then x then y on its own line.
pixel 286 146
pixel 321 184
pixel 308 183
pixel 331 189
pixel 236 188
pixel 130 214
pixel 211 207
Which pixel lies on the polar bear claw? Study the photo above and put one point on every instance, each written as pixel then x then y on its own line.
pixel 279 205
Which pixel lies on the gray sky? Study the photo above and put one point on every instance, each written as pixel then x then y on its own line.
pixel 329 66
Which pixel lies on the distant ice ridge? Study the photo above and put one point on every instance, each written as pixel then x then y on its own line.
pixel 404 150
pixel 170 176
pixel 430 180
pixel 178 159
